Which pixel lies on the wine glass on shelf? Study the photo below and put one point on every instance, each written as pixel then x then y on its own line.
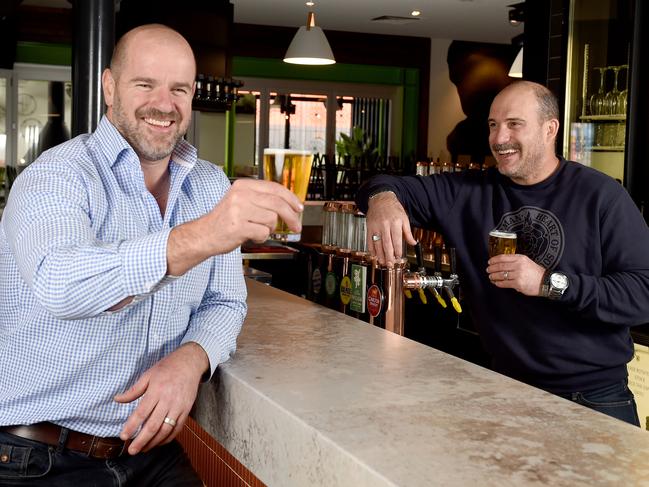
pixel 612 97
pixel 622 95
pixel 596 102
pixel 620 132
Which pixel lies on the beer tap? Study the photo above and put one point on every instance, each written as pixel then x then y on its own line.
pixel 420 281
pixel 437 250
pixel 421 269
pixel 387 298
pixel 452 281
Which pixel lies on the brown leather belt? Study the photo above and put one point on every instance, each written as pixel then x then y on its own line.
pixel 92 446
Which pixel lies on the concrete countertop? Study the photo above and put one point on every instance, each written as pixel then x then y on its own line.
pixel 313 397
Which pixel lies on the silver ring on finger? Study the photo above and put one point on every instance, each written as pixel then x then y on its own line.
pixel 376 237
pixel 169 421
pixel 505 275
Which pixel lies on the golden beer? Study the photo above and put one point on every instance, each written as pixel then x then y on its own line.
pixel 292 169
pixel 501 243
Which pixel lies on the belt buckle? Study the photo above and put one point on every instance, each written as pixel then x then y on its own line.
pixel 104 450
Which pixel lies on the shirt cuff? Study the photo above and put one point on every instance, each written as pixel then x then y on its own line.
pixel 144 263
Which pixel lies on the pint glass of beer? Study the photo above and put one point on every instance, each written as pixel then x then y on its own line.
pixel 501 243
pixel 292 169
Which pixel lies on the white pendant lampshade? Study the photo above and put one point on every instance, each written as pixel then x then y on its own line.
pixel 309 46
pixel 516 71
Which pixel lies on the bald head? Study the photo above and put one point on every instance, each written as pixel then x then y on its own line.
pixel 548 106
pixel 149 90
pixel 523 126
pixel 135 38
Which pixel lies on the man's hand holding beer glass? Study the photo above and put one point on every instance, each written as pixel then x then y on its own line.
pixel 508 269
pixel 248 211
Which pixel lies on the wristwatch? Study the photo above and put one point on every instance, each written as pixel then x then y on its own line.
pixel 554 284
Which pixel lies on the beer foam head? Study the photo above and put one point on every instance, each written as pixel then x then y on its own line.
pixel 501 234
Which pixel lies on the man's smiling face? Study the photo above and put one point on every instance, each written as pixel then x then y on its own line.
pixel 516 135
pixel 150 94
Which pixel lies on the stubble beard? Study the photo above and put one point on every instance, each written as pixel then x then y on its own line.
pixel 144 145
pixel 528 165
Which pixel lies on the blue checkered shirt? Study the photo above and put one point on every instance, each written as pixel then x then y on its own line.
pixel 80 232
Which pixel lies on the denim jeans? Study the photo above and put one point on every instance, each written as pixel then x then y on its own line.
pixel 614 400
pixel 30 463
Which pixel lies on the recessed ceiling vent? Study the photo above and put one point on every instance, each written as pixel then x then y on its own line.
pixel 394 19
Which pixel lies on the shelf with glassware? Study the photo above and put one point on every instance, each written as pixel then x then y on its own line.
pixel 616 127
pixel 607 110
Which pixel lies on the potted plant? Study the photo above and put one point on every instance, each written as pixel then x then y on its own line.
pixel 356 148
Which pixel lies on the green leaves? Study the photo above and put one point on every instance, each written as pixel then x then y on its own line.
pixel 358 147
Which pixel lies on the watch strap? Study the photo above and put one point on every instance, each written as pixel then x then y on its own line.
pixel 545 284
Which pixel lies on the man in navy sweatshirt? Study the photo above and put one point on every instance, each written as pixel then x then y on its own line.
pixel 557 313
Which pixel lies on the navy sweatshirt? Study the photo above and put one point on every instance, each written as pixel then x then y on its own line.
pixel 578 221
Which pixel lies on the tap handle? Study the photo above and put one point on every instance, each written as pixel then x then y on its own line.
pixel 453 261
pixel 437 249
pixel 454 301
pixel 420 258
pixel 456 305
pixel 439 297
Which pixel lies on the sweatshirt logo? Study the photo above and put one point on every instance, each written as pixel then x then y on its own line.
pixel 539 234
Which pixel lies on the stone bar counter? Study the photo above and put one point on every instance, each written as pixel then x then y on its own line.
pixel 315 398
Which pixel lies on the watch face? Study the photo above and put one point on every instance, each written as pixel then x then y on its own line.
pixel 558 280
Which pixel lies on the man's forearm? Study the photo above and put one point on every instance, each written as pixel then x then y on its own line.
pixel 187 247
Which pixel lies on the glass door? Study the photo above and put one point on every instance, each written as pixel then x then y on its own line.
pixel 5 83
pixel 42 112
pixel 597 82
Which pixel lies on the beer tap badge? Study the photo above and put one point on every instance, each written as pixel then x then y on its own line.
pixel 539 233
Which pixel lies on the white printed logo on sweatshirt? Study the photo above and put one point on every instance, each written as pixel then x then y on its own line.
pixel 539 234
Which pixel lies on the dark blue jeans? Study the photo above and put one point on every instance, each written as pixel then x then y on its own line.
pixel 31 463
pixel 614 400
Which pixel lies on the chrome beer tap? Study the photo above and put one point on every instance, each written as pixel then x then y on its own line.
pixel 419 280
pixel 452 281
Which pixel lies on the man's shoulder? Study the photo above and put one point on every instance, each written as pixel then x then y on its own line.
pixel 589 177
pixel 207 179
pixel 73 155
pixel 209 170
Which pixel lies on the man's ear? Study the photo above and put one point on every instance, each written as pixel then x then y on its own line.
pixel 108 85
pixel 552 128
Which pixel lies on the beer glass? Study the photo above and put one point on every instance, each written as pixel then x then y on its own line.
pixel 501 243
pixel 291 169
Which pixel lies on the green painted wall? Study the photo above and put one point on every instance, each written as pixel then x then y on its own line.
pixel 42 53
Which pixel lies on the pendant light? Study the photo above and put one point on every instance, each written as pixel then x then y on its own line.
pixel 516 71
pixel 309 46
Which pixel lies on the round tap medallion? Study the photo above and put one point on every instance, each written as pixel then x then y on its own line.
pixel 316 281
pixel 331 283
pixel 346 290
pixel 374 300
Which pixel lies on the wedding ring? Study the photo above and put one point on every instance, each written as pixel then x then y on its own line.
pixel 170 421
pixel 506 275
pixel 376 237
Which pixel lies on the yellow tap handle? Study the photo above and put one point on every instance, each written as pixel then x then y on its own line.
pixel 422 296
pixel 407 293
pixel 456 304
pixel 439 297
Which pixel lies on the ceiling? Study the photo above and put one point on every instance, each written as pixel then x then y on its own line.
pixel 469 20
